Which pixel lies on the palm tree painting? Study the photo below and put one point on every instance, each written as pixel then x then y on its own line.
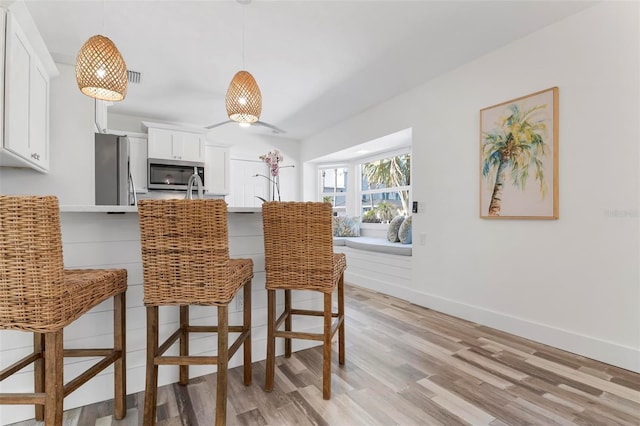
pixel 519 158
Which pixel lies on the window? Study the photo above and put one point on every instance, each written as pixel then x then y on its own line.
pixel 385 189
pixel 333 187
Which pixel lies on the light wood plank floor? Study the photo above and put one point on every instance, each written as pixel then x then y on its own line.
pixel 407 365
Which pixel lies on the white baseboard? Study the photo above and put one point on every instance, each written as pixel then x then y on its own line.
pixel 588 346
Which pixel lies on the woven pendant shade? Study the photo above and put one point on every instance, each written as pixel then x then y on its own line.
pixel 101 72
pixel 244 100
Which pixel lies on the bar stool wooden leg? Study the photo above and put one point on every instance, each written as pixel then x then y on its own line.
pixel 150 393
pixel 341 338
pixel 184 343
pixel 271 340
pixel 120 345
pixel 287 323
pixel 326 357
pixel 246 327
pixel 38 372
pixel 54 367
pixel 223 355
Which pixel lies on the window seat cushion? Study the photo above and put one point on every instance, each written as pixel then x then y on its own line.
pixel 340 241
pixel 381 245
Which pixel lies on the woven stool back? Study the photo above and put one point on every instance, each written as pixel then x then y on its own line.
pixel 298 246
pixel 185 252
pixel 31 265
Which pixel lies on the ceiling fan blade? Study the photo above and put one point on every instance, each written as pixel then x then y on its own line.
pixel 273 128
pixel 213 126
pixel 270 126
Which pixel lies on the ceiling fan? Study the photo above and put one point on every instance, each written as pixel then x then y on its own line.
pixel 274 129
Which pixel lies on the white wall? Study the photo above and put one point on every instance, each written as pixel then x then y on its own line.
pixel 71 174
pixel 573 283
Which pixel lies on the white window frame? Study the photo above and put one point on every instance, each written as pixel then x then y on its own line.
pixel 348 185
pixel 354 190
pixel 359 192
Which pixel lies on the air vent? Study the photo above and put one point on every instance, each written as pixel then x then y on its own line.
pixel 134 77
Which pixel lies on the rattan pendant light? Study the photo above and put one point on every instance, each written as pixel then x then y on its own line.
pixel 101 72
pixel 243 100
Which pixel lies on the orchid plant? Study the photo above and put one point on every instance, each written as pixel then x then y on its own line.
pixel 273 159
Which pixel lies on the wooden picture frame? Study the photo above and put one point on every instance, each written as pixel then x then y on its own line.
pixel 519 158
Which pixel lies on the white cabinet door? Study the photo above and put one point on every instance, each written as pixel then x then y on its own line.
pixel 138 162
pixel 17 80
pixel 245 186
pixel 191 146
pixel 161 144
pixel 216 178
pixel 26 102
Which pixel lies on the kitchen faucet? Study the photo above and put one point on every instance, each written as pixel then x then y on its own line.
pixel 194 178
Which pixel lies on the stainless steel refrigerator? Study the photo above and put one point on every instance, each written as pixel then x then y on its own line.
pixel 112 174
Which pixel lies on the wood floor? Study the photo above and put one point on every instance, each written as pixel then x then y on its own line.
pixel 406 365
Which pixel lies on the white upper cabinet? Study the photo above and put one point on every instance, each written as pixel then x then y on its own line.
pixel 160 144
pixel 18 67
pixel 175 145
pixel 25 136
pixel 190 146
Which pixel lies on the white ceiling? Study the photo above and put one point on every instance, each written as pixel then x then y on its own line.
pixel 316 62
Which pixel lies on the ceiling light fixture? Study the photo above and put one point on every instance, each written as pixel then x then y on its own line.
pixel 101 72
pixel 243 100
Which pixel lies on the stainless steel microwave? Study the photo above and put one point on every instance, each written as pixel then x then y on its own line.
pixel 172 174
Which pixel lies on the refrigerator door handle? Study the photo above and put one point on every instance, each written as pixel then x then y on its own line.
pixel 134 196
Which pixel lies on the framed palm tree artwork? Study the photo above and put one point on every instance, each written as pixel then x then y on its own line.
pixel 519 158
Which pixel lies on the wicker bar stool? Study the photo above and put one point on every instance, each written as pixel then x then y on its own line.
pixel 185 259
pixel 298 245
pixel 37 295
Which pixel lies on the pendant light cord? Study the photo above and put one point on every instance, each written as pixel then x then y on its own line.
pixel 103 11
pixel 242 8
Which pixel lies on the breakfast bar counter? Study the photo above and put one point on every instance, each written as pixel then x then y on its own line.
pixel 134 209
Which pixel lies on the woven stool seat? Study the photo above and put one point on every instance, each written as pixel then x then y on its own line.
pixel 80 290
pixel 206 294
pixel 39 296
pixel 298 245
pixel 185 261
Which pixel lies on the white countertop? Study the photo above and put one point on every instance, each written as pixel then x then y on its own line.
pixel 134 209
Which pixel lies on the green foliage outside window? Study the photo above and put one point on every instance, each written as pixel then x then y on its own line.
pixel 391 172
